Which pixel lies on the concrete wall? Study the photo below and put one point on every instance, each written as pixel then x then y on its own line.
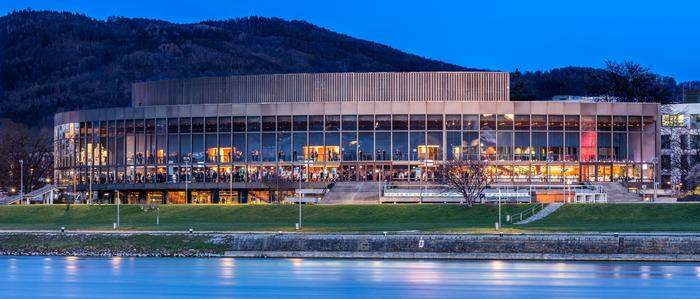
pixel 448 246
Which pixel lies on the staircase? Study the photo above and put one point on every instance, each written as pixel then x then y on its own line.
pixel 353 193
pixel 549 209
pixel 9 200
pixel 618 193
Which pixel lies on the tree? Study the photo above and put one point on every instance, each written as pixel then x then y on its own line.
pixel 33 147
pixel 631 82
pixel 468 177
pixel 692 179
pixel 680 144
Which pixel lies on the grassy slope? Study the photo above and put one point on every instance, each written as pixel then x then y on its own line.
pixel 576 217
pixel 269 218
pixel 622 217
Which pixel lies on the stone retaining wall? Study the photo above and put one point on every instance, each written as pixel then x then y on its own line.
pixel 465 246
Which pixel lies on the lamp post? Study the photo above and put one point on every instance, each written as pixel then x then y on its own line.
pixel 654 161
pixel 306 164
pixel 499 208
pixel 21 181
pixel 89 200
pixel 187 161
pixel 116 193
pixel 230 183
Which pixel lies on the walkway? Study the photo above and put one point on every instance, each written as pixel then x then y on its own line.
pixel 549 209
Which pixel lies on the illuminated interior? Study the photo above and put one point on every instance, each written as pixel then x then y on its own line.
pixel 321 153
pixel 429 152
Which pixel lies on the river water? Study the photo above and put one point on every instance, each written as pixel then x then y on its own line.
pixel 52 277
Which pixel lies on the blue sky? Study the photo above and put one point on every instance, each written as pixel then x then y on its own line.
pixel 501 35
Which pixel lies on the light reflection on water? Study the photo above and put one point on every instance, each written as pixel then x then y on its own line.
pixel 33 277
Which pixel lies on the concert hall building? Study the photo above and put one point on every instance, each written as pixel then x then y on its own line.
pixel 224 139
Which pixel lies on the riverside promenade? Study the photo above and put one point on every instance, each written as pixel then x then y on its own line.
pixel 408 245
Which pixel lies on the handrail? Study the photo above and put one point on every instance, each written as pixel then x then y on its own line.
pixel 531 210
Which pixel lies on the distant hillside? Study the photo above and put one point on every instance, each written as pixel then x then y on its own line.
pixel 55 61
pixel 51 61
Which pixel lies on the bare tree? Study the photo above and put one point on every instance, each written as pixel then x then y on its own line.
pixel 33 147
pixel 692 179
pixel 632 82
pixel 680 146
pixel 468 177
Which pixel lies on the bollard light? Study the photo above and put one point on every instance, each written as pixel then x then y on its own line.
pixel 190 230
pixel 63 229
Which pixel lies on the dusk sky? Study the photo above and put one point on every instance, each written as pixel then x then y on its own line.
pixel 497 35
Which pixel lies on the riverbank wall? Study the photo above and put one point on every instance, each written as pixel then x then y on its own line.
pixel 614 247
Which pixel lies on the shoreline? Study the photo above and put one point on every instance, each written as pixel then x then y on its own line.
pixel 668 247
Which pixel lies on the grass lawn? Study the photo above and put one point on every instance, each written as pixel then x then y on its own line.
pixel 259 217
pixel 621 217
pixel 354 218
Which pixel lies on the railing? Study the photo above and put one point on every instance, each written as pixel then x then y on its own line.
pixel 527 212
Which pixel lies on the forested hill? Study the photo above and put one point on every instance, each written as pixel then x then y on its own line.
pixel 56 61
pixel 51 61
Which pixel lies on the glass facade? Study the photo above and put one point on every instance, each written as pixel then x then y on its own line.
pixel 523 148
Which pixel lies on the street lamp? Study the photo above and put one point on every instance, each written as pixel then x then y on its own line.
pixel 187 161
pixel 306 163
pixel 21 181
pixel 499 207
pixel 654 160
pixel 116 193
pixel 230 184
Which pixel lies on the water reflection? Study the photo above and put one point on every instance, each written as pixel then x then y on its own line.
pixel 327 278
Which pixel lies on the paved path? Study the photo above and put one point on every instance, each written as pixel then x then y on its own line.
pixel 549 209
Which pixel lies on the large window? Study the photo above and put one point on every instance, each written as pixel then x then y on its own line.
pixel 673 120
pixel 453 122
pixel 488 122
pixel 253 150
pixel 284 123
pixel 522 122
pixel 505 146
pixel 434 122
pixel 505 121
pixel 269 123
pixel 522 146
pixel 349 146
pixel 454 146
pixel 269 146
pixel 350 123
pixel 316 123
pixel 571 122
pixel 399 122
pixel 555 122
pixel 400 146
pixel 539 146
pixel 471 145
pixel 417 144
pixel 365 146
pixel 383 122
pixel 301 123
pixel 555 146
pixel 365 122
pixel 382 146
pixel 333 122
pixel 488 144
pixel 298 149
pixel 418 122
pixel 470 122
pixel 284 147
pixel 571 147
pixel 619 146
